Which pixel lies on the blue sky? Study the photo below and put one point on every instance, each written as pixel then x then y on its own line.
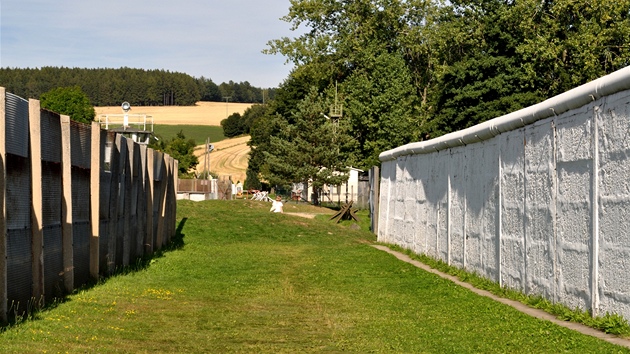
pixel 220 40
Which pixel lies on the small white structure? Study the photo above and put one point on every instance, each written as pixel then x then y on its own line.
pixel 334 194
pixel 138 127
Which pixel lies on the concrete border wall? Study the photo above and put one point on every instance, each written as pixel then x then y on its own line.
pixel 537 200
pixel 76 203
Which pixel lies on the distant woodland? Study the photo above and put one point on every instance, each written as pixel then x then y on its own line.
pixel 111 87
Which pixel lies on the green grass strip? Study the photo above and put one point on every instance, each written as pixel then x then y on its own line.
pixel 249 281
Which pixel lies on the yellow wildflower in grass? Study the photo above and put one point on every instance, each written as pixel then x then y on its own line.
pixel 160 294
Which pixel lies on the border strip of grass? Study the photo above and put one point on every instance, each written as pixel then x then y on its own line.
pixel 608 323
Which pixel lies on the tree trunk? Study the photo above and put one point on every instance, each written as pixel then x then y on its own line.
pixel 315 196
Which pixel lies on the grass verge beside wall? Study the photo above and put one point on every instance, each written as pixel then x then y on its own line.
pixel 608 323
pixel 247 280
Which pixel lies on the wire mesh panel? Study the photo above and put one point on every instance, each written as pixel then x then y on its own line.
pixel 19 270
pixel 157 211
pixel 18 221
pixel 53 262
pixel 104 219
pixel 80 140
pixel 17 131
pixel 81 224
pixel 51 221
pixel 134 157
pixel 50 136
pixel 103 242
pixel 159 168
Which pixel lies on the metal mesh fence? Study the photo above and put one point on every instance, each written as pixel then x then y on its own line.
pixel 123 195
pixel 16 125
pixel 18 233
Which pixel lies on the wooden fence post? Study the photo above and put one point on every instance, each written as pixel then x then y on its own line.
pixel 159 239
pixel 114 190
pixel 66 205
pixel 34 120
pixel 148 240
pixel 95 196
pixel 126 164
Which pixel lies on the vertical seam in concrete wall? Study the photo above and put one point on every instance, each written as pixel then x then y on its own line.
pixel 437 229
pixel 465 212
pixel 525 217
pixel 499 226
pixel 3 223
pixel 595 215
pixel 448 217
pixel 34 119
pixel 554 214
pixel 377 194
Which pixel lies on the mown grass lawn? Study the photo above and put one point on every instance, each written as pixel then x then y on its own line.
pixel 249 281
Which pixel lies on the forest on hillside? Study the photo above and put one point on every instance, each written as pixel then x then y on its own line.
pixel 111 87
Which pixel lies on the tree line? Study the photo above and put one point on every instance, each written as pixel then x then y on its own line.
pixel 111 87
pixel 411 70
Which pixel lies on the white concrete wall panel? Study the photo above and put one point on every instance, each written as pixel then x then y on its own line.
pixel 409 216
pixel 457 206
pixel 397 227
pixel 441 178
pixel 540 208
pixel 432 211
pixel 614 197
pixel 422 213
pixel 512 226
pixel 388 170
pixel 490 225
pixel 475 198
pixel 538 199
pixel 574 167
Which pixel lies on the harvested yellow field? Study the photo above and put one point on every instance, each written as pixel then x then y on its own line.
pixel 229 157
pixel 202 113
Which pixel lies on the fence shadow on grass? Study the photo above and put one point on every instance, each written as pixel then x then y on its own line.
pixel 35 307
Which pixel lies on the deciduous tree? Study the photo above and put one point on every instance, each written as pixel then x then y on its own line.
pixel 71 101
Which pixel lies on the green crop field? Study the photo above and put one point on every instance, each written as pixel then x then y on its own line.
pixel 197 132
